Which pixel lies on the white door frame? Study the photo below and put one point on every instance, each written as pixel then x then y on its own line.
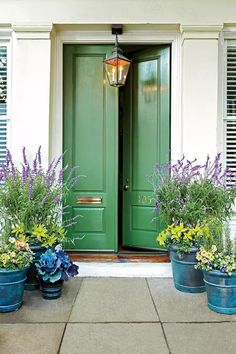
pixel 137 36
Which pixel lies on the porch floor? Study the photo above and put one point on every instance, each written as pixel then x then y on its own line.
pixel 117 316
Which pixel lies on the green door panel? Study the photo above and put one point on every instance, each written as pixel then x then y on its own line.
pixel 91 142
pixel 146 141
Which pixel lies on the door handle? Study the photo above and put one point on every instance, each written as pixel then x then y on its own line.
pixel 126 186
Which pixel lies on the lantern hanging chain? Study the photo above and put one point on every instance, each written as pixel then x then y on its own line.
pixel 116 39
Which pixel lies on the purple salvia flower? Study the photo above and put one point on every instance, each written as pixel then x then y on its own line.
pixel 61 175
pixel 50 167
pixel 24 156
pixel 24 174
pixel 57 199
pixel 157 208
pixel 58 162
pixel 35 165
pixel 73 181
pixel 39 157
pixel 71 172
pixel 8 159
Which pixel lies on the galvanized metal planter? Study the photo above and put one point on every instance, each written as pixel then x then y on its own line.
pixel 186 278
pixel 32 282
pixel 11 289
pixel 221 291
pixel 51 291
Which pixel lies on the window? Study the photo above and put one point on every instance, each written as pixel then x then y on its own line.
pixel 4 114
pixel 230 105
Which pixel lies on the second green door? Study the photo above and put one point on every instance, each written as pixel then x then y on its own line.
pixel 146 142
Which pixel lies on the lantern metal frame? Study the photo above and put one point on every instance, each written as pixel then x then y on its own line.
pixel 116 57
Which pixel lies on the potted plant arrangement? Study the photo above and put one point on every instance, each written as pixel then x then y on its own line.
pixel 31 204
pixel 15 258
pixel 217 259
pixel 188 195
pixel 54 267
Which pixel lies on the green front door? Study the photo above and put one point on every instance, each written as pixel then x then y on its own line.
pixel 146 142
pixel 91 141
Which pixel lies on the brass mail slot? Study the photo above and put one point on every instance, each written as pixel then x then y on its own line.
pixel 89 200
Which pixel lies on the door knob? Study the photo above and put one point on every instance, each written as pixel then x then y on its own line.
pixel 126 186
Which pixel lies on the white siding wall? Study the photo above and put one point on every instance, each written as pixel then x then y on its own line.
pixel 200 84
pixel 30 93
pixel 188 12
pixel 195 98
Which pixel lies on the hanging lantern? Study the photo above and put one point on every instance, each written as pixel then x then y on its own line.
pixel 117 66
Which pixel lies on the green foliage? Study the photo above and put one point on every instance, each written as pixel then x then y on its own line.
pixel 195 202
pixel 218 251
pixel 31 200
pixel 47 236
pixel 192 194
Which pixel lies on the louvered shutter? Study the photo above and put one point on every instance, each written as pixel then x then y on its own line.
pixel 230 108
pixel 3 101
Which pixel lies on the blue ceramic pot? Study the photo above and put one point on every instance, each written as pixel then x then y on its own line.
pixel 51 291
pixel 32 282
pixel 221 291
pixel 186 277
pixel 11 289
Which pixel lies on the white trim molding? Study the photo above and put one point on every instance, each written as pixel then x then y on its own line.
pixel 201 32
pixel 135 35
pixel 27 31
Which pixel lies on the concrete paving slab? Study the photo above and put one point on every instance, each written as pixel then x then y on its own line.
pixel 36 309
pixel 175 306
pixel 30 338
pixel 114 338
pixel 201 338
pixel 114 300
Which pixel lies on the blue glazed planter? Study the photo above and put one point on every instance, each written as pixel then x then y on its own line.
pixel 221 291
pixel 51 291
pixel 186 278
pixel 11 289
pixel 32 282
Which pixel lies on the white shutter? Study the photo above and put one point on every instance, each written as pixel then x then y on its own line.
pixel 3 80
pixel 3 101
pixel 230 106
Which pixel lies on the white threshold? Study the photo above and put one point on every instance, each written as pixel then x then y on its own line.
pixel 138 270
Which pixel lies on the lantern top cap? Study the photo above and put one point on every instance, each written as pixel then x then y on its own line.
pixel 117 29
pixel 116 53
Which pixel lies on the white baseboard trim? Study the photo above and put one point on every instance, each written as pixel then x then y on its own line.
pixel 138 270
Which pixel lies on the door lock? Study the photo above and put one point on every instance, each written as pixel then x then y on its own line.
pixel 126 186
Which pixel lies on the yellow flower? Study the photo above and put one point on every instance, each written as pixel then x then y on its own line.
pixel 204 253
pixel 204 260
pixel 40 232
pixel 18 229
pixel 213 248
pixel 5 258
pixel 13 254
pixel 198 256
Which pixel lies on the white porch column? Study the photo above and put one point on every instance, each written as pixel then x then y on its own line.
pixel 200 90
pixel 30 90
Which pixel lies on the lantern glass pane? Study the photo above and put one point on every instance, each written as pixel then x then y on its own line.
pixel 123 69
pixel 117 71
